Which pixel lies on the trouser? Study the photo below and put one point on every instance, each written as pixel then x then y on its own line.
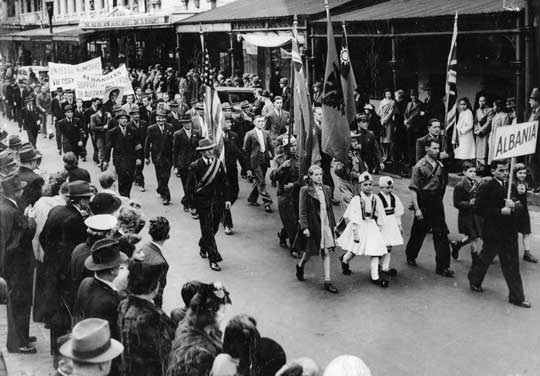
pixel 433 212
pixel 100 144
pixel 508 252
pixel 125 179
pixel 32 136
pixel 58 136
pixel 82 150
pixel 19 304
pixel 46 124
pixel 232 176
pixel 183 172
pixel 259 186
pixel 138 177
pixel 70 146
pixel 95 157
pixel 289 216
pixel 163 174
pixel 412 136
pixel 209 220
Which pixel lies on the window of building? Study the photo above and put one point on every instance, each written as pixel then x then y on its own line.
pixel 11 8
pixel 28 6
pixel 37 5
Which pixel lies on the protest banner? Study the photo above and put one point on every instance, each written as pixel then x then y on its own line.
pixel 66 75
pixel 515 140
pixel 88 86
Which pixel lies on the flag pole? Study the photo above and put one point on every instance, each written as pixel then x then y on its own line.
pixel 291 113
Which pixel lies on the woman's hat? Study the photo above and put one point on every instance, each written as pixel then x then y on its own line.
pixel 91 342
pixel 105 254
pixel 205 144
pixel 14 140
pixel 101 222
pixel 79 188
pixel 12 183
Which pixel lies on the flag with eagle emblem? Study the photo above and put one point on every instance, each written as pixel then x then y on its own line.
pixel 451 87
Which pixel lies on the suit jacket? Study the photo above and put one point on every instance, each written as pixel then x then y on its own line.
pixel 276 124
pixel 233 151
pixel 413 118
pixel 77 270
pixel 96 299
pixel 142 128
pixel 154 256
pixel 490 201
pixel 126 148
pixel 97 123
pixel 159 145
pixel 370 149
pixel 468 221
pixel 253 149
pixel 80 114
pixel 71 131
pixel 32 191
pixel 217 192
pixel 30 118
pixel 184 148
pixel 56 108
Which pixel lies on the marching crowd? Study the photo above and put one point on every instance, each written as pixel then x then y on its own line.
pixel 99 287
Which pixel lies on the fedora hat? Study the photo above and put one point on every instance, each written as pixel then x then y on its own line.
pixel 79 188
pixel 28 154
pixel 68 108
pixel 6 159
pixel 134 110
pixel 91 342
pixel 162 112
pixel 535 94
pixel 105 254
pixel 205 144
pixel 122 113
pixel 104 203
pixel 12 183
pixel 3 134
pixel 101 222
pixel 14 140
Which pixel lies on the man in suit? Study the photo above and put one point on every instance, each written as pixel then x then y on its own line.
pixel 233 154
pixel 79 114
pixel 260 151
pixel 433 104
pixel 127 154
pixel 34 183
pixel 57 115
pixel 434 131
pixel 185 142
pixel 208 192
pixel 72 132
pixel 99 127
pixel 285 93
pixel 43 103
pixel 158 146
pixel 17 263
pixel 499 234
pixel 87 120
pixel 69 101
pixel 152 250
pixel 277 120
pixel 31 120
pixel 413 119
pixel 141 128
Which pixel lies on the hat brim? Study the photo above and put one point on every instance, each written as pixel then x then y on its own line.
pixel 203 148
pixel 93 267
pixel 114 350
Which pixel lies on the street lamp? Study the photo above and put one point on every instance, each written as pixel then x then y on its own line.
pixel 49 4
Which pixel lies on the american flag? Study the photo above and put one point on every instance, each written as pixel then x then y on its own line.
pixel 206 76
pixel 451 86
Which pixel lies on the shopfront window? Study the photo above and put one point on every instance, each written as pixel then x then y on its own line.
pixel 28 6
pixel 37 5
pixel 11 8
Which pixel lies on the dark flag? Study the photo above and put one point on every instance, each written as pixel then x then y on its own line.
pixel 451 87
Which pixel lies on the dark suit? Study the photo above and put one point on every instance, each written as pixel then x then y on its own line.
pixel 142 128
pixel 56 109
pixel 276 123
pixel 71 135
pixel 184 152
pixel 209 202
pixel 17 264
pixel 233 154
pixel 500 237
pixel 32 191
pixel 30 117
pixel 415 126
pixel 370 149
pixel 158 146
pixel 97 127
pixel 127 149
pixel 154 256
pixel 78 173
pixel 258 164
pixel 77 270
pixel 468 222
pixel 81 115
pixel 89 133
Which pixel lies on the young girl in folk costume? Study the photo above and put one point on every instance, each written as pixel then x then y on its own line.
pixel 391 229
pixel 519 195
pixel 362 236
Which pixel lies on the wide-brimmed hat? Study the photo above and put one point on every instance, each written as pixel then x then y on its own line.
pixel 28 154
pixel 535 94
pixel 91 342
pixel 122 113
pixel 105 254
pixel 14 140
pixel 79 188
pixel 134 110
pixel 104 203
pixel 205 144
pixel 7 159
pixel 12 183
pixel 101 222
pixel 3 134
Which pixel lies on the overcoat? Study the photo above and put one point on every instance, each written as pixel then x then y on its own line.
pixel 34 184
pixel 469 223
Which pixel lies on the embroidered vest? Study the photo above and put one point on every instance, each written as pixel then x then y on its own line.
pixel 389 210
pixel 366 215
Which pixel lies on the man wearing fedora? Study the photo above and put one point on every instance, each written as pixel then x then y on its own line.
pixel 208 192
pixel 29 160
pixel 141 127
pixel 31 120
pixel 16 263
pixel 159 147
pixel 14 145
pixel 8 164
pixel 99 127
pixel 72 132
pixel 127 148
pixel 91 348
pixel 534 159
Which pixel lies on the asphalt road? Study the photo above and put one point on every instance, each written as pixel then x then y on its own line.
pixel 422 324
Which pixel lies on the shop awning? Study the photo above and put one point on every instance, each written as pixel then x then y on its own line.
pixel 407 9
pixel 270 38
pixel 60 33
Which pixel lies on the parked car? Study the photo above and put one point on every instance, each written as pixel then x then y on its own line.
pixel 235 95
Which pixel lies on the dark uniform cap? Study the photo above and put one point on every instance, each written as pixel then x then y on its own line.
pixel 105 254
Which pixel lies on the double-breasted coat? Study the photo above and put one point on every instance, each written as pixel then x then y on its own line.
pixel 72 133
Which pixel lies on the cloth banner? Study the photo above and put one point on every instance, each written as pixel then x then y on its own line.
pixel 88 86
pixel 66 75
pixel 270 38
pixel 515 140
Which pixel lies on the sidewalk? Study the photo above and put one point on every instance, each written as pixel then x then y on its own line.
pixel 39 364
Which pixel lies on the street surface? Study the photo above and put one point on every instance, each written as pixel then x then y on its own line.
pixel 422 324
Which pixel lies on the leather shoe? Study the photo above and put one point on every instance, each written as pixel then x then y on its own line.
pixel 412 262
pixel 282 236
pixel 476 288
pixel 380 282
pixel 228 230
pixel 445 273
pixel 203 254
pixel 527 256
pixel 299 272
pixel 455 249
pixel 32 339
pixel 328 286
pixel 522 304
pixel 344 266
pixel 268 208
pixel 215 267
pixel 29 349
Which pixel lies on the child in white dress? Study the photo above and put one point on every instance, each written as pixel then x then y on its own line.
pixel 391 229
pixel 362 236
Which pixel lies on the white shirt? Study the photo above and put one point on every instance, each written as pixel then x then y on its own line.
pixel 188 132
pixel 260 136
pixel 110 284
pixel 207 161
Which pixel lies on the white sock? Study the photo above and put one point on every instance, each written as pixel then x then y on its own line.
pixel 374 267
pixel 386 262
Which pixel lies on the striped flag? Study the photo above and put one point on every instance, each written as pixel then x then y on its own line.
pixel 206 76
pixel 451 86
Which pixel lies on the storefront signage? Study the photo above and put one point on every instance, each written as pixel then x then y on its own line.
pixel 65 75
pixel 124 21
pixel 515 140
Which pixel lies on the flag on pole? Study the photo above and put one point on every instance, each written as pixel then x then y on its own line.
pixel 348 81
pixel 308 149
pixel 336 136
pixel 451 86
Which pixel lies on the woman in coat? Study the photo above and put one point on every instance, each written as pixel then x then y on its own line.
pixel 464 137
pixel 146 331
pixel 198 339
pixel 317 225
pixel 387 109
pixel 500 119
